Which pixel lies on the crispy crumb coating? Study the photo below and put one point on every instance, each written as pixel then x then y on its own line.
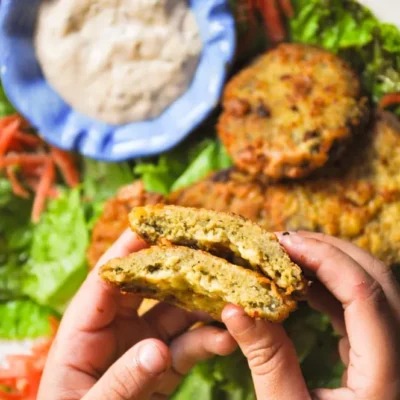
pixel 291 111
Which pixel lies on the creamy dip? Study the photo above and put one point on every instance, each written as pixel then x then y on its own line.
pixel 118 61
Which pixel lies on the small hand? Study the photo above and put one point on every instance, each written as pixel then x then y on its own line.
pixel 362 298
pixel 105 350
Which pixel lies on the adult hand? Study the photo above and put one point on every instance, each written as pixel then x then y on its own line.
pixel 105 350
pixel 362 298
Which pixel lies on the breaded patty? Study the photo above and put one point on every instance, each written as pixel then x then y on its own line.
pixel 225 235
pixel 196 280
pixel 114 219
pixel 291 111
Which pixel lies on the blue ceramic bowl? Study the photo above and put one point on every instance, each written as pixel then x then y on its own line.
pixel 68 129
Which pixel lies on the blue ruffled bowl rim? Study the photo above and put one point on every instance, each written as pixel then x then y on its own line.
pixel 65 128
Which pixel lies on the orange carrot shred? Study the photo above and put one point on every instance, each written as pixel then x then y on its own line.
pixel 27 139
pixel 287 8
pixel 273 21
pixel 8 120
pixel 66 165
pixel 17 187
pixel 22 159
pixel 6 136
pixel 389 99
pixel 45 184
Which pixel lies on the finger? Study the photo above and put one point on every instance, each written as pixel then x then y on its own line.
pixel 271 356
pixel 101 301
pixel 336 394
pixel 377 269
pixel 135 375
pixel 192 347
pixel 322 300
pixel 344 350
pixel 370 324
pixel 170 321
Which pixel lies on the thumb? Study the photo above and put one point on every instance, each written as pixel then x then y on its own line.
pixel 135 374
pixel 271 356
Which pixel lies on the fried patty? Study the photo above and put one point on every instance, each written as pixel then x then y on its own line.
pixel 114 219
pixel 292 110
pixel 195 280
pixel 225 235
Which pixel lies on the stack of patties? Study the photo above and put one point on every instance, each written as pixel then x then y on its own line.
pixel 204 260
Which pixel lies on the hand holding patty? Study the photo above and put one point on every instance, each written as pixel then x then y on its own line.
pixel 361 296
pixel 105 350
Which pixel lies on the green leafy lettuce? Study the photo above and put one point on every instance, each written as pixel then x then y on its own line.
pixel 24 319
pixel 15 240
pixel 6 107
pixel 101 181
pixel 57 263
pixel 182 166
pixel 351 30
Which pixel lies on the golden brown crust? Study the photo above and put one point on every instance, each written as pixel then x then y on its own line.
pixel 114 219
pixel 291 111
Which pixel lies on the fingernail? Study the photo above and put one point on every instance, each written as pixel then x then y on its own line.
pixel 237 321
pixel 152 359
pixel 291 239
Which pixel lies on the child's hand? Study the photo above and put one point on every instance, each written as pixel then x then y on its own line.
pixel 104 350
pixel 361 296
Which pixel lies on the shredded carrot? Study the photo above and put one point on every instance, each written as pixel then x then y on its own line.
pixel 27 140
pixel 7 134
pixel 287 8
pixel 22 159
pixel 272 18
pixel 17 187
pixel 8 120
pixel 67 167
pixel 45 184
pixel 389 99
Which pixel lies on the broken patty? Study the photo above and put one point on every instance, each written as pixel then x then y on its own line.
pixel 195 280
pixel 225 235
pixel 291 111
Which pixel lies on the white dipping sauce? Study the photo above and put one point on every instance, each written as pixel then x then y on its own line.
pixel 118 61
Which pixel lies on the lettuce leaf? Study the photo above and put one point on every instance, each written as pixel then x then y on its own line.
pixel 6 107
pixel 351 30
pixel 57 264
pixel 102 181
pixel 182 166
pixel 24 319
pixel 15 241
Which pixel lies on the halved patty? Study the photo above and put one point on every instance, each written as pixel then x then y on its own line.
pixel 291 111
pixel 225 235
pixel 196 280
